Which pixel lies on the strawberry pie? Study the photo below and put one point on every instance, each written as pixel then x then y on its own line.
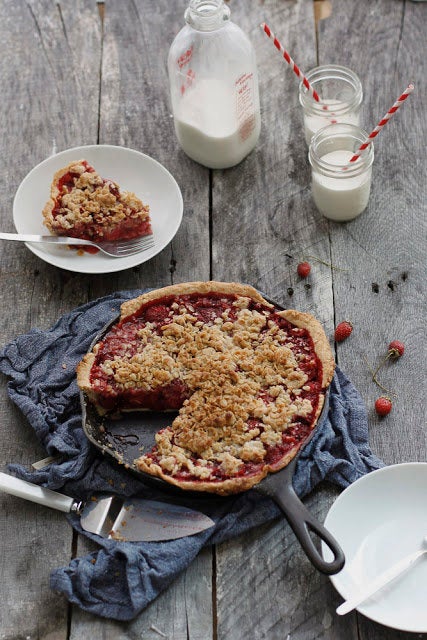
pixel 84 205
pixel 246 381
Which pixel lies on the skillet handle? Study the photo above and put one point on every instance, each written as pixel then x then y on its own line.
pixel 302 523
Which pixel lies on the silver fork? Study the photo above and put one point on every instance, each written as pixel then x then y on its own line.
pixel 116 248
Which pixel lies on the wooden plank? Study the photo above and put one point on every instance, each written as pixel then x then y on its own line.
pixel 46 105
pixel 183 612
pixel 382 293
pixel 135 112
pixel 264 580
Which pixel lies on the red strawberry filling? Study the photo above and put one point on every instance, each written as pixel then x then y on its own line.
pixel 132 338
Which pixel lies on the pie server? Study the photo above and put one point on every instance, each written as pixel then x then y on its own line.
pixel 109 516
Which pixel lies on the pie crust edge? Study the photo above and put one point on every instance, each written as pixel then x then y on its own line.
pixel 54 193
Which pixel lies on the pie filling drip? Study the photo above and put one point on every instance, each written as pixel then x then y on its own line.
pixel 246 383
pixel 85 205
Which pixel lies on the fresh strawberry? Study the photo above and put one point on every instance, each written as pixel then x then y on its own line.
pixel 343 330
pixel 383 405
pixel 303 269
pixel 396 349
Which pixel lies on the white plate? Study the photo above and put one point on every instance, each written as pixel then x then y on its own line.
pixel 133 171
pixel 378 520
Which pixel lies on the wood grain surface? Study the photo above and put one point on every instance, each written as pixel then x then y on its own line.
pixel 82 72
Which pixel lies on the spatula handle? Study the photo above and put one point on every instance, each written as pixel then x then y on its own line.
pixel 34 493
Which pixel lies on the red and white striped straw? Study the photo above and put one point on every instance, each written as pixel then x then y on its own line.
pixel 291 62
pixel 383 122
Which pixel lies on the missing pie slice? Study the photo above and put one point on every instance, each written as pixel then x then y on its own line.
pixel 84 205
pixel 248 381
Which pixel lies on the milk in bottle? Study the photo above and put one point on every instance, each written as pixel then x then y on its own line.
pixel 214 87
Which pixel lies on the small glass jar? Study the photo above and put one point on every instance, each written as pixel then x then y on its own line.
pixel 340 189
pixel 341 95
pixel 214 87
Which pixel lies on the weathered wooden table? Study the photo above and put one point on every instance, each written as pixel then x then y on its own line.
pixel 82 72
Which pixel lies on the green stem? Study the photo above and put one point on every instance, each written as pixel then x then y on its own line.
pixel 375 379
pixel 382 363
pixel 327 264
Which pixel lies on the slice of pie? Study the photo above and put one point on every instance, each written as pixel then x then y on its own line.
pixel 84 205
pixel 248 381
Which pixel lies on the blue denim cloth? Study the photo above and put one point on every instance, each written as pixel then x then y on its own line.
pixel 122 578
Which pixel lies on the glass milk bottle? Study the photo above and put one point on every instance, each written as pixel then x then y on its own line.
pixel 214 87
pixel 340 188
pixel 341 95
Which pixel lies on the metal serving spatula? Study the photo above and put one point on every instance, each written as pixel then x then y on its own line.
pixel 130 519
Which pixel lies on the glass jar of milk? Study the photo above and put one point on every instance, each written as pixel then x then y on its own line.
pixel 214 87
pixel 340 188
pixel 341 95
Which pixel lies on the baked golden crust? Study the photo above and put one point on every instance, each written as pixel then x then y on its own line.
pixel 83 379
pixel 253 386
pixel 84 204
pixel 221 487
pixel 184 288
pixel 321 344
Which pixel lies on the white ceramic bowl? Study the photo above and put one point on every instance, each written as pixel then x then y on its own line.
pixel 378 520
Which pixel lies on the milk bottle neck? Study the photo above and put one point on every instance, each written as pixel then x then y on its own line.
pixel 207 15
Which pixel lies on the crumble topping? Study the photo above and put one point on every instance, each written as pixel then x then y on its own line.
pixel 247 385
pixel 81 200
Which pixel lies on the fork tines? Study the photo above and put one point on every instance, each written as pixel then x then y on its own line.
pixel 128 247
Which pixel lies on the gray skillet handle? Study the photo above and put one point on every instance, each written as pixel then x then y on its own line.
pixel 302 523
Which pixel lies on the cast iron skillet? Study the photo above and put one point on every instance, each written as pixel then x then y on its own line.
pixel 126 438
